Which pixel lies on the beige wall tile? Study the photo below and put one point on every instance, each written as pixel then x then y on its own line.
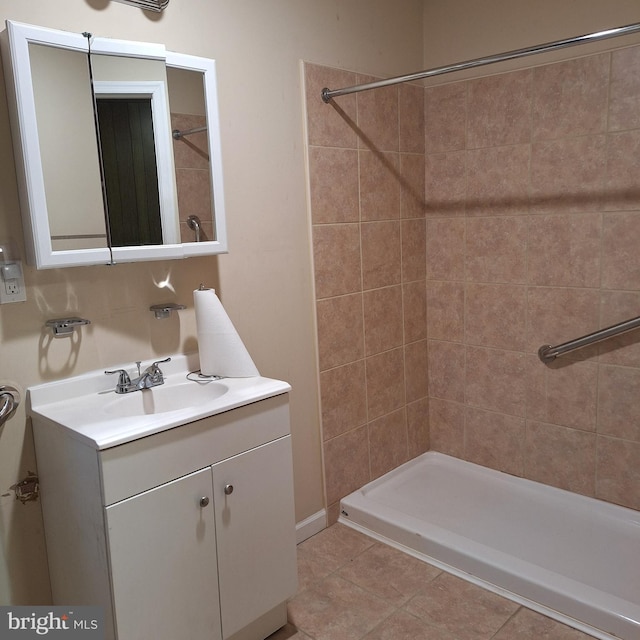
pixel 333 185
pixel 388 442
pixel 413 235
pixel 445 183
pixel 564 251
pixel 446 370
pixel 446 426
pixel 343 392
pixel 445 310
pixel 496 249
pixel 445 248
pixel 568 175
pixel 385 383
pixel 499 110
pixel 496 380
pixel 412 204
pixel 621 185
pixel 411 118
pixel 343 477
pixel 445 117
pixel 618 479
pixel 418 436
pixel 495 315
pixel 570 98
pixel 624 105
pixel 494 440
pixel 329 125
pixel 340 330
pixel 336 256
pixel 414 307
pixel 498 180
pixel 618 406
pixel 379 185
pixel 415 370
pixel 563 393
pixel 620 237
pixel 562 457
pixel 378 117
pixel 381 254
pixel 383 319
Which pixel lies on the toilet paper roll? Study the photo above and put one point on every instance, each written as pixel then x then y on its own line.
pixel 222 352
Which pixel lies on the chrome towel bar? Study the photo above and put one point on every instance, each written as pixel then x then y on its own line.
pixel 547 353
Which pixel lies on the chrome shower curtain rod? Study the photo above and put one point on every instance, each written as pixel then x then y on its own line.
pixel 328 94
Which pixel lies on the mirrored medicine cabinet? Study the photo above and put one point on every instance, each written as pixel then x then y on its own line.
pixel 117 148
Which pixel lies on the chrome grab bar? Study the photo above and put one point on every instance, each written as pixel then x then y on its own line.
pixel 547 353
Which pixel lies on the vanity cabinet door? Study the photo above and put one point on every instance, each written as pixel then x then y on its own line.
pixel 163 562
pixel 255 528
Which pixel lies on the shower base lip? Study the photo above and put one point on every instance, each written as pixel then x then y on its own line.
pixel 578 565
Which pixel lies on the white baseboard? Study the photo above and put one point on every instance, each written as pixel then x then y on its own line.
pixel 315 523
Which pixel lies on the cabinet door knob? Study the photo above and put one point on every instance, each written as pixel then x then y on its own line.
pixel 228 489
pixel 204 501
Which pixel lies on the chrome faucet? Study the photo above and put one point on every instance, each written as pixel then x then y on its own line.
pixel 152 376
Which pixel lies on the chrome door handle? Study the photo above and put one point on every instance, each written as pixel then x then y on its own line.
pixel 228 489
pixel 204 501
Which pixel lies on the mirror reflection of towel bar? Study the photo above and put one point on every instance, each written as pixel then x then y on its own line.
pixel 177 134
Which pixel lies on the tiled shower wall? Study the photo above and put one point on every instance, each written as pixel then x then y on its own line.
pixel 366 160
pixel 532 236
pixel 193 176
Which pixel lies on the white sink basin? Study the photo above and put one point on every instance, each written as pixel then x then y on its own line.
pixel 164 398
pixel 88 407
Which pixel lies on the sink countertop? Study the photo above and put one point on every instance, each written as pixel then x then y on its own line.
pixel 78 404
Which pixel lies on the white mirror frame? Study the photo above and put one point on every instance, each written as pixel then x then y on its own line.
pixel 207 68
pixel 15 54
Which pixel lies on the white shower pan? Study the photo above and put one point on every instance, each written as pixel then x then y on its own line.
pixel 573 558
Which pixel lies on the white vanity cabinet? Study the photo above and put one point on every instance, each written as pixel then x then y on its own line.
pixel 187 533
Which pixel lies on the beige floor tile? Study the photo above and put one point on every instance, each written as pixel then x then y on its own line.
pixel 389 573
pixel 336 609
pixel 462 608
pixel 403 626
pixel 336 545
pixel 288 632
pixel 529 625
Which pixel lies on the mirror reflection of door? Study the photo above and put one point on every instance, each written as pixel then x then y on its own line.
pixel 130 170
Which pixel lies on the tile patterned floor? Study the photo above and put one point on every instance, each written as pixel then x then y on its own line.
pixel 354 588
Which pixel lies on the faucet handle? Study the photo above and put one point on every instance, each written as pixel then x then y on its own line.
pixel 153 368
pixel 123 380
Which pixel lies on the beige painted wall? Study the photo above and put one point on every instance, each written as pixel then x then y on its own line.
pixel 460 30
pixel 265 281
